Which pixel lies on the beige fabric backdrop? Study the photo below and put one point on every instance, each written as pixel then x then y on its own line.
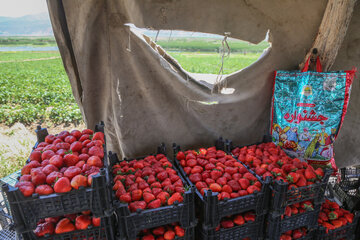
pixel 145 98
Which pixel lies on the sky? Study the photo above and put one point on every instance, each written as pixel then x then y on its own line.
pixel 18 8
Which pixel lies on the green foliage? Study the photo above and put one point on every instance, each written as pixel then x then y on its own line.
pixel 36 91
pixel 18 56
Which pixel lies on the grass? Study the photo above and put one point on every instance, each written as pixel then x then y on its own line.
pixel 210 62
pixel 36 91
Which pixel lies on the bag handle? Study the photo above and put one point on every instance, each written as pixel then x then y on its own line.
pixel 318 65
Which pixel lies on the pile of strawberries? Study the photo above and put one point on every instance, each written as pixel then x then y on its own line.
pixel 332 216
pixel 236 220
pixel 147 183
pixel 67 223
pixel 294 234
pixel 63 162
pixel 167 232
pixel 267 159
pixel 298 208
pixel 215 170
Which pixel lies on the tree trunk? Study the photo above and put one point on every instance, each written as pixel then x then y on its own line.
pixel 332 31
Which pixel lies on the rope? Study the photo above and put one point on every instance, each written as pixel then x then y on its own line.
pixel 128 48
pixel 224 52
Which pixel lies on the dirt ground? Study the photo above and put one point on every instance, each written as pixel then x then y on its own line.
pixel 17 141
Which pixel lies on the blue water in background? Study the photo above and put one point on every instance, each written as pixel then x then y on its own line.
pixel 28 48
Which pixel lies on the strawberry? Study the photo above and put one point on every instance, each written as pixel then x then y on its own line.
pixel 70 160
pixel 70 139
pixel 25 178
pixel 57 161
pixel 79 181
pixel 94 161
pixel 169 235
pixel 154 204
pixel 64 225
pixel 301 182
pixel 37 176
pixel 47 154
pixel 72 172
pixel 336 223
pixel 333 215
pixel 310 174
pixel 163 196
pixel 44 190
pixel 99 136
pixel 239 220
pixel 27 188
pixel 49 169
pixel 215 187
pixel 148 237
pixel 44 229
pixel 62 185
pixel 137 205
pixel 35 156
pixel 175 197
pixel 244 183
pixel 96 151
pixel 179 231
pixel 297 234
pixel 249 216
pixel 52 177
pixel 319 173
pixel 293 177
pixel 27 168
pixel 96 221
pixel 82 222
pixel 136 195
pixel 227 224
pixel 158 231
pixel 148 197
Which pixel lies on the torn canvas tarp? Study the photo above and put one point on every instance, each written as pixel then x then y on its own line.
pixel 146 98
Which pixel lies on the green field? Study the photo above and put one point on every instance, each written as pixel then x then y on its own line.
pixel 35 91
pixel 210 45
pixel 197 62
pixel 25 55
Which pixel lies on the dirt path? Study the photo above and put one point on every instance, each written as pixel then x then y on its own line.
pixel 30 60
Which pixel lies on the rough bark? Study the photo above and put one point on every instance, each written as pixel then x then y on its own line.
pixel 332 31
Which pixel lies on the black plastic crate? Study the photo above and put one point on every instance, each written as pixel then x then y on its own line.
pixel 347 232
pixel 26 211
pixel 253 230
pixel 212 210
pixel 350 202
pixel 281 195
pixel 278 225
pixel 130 223
pixel 104 232
pixel 351 172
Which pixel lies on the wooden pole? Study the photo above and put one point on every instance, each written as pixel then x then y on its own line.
pixel 332 31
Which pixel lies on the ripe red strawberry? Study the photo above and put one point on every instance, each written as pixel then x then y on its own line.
pixel 49 169
pixel 64 225
pixel 82 222
pixel 44 228
pixel 163 196
pixel 27 188
pixel 72 172
pixel 62 185
pixel 215 187
pixel 244 183
pixel 52 177
pixel 57 161
pixel 148 197
pixel 27 168
pixel 136 195
pixel 179 231
pixel 37 176
pixel 159 231
pixel 310 174
pixel 25 178
pixel 79 181
pixel 76 134
pixel 155 204
pixel 76 146
pixel 319 173
pixel 175 197
pixel 70 160
pixel 137 205
pixel 35 156
pixel 96 221
pixel 239 220
pixel 95 161
pixel 70 139
pixel 44 190
pixel 169 235
pixel 96 151
pixel 293 177
pixel 227 224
